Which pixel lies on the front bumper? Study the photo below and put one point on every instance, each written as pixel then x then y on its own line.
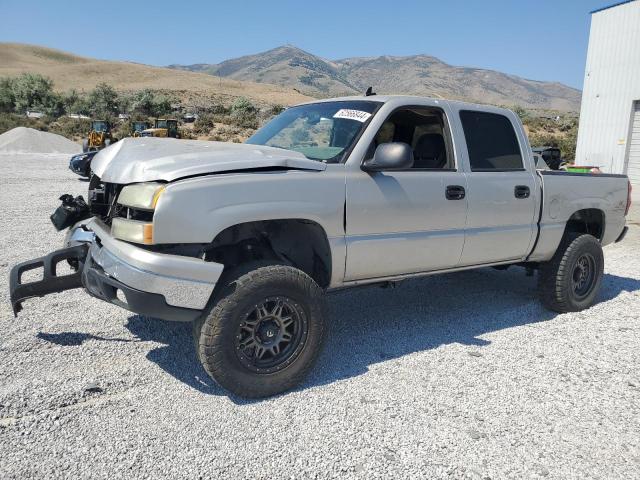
pixel 165 286
pixel 100 285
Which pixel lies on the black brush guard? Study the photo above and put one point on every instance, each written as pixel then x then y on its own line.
pixel 51 282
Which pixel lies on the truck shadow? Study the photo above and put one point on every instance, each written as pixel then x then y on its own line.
pixel 372 325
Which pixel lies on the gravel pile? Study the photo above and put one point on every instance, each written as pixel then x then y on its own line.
pixel 458 376
pixel 21 140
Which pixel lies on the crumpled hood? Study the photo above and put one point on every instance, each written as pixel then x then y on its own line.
pixel 147 159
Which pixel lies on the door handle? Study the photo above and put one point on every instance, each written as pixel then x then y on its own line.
pixel 521 191
pixel 455 192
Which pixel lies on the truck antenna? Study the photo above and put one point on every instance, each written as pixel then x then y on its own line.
pixel 369 92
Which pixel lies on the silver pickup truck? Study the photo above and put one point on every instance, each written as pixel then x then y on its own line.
pixel 243 240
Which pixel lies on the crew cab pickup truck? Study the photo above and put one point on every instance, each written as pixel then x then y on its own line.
pixel 243 240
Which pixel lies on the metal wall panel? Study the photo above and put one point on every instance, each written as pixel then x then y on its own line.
pixel 611 86
pixel 633 156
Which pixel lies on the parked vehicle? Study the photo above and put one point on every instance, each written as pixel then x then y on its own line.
pixel 243 240
pixel 138 127
pixel 551 155
pixel 99 137
pixel 81 163
pixel 32 114
pixel 163 127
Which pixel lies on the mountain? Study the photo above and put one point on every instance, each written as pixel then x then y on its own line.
pixel 71 71
pixel 285 65
pixel 415 75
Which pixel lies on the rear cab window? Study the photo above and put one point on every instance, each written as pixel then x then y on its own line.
pixel 491 142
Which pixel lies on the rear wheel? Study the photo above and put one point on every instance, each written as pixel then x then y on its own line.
pixel 570 281
pixel 264 333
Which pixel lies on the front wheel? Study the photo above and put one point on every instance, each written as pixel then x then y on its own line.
pixel 264 333
pixel 570 281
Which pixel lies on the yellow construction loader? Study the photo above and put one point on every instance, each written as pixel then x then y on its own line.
pixel 99 137
pixel 138 127
pixel 163 127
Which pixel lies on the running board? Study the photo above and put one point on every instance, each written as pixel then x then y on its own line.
pixel 50 283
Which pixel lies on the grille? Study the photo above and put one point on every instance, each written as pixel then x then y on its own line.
pixel 102 199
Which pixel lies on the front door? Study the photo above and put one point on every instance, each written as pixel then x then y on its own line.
pixel 407 221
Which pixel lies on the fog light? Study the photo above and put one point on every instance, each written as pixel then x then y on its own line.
pixel 120 296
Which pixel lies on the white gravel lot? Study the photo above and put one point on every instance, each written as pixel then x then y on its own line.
pixel 461 376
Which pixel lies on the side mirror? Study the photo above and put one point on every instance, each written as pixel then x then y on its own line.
pixel 390 156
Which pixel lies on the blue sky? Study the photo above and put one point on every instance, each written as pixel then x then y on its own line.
pixel 542 39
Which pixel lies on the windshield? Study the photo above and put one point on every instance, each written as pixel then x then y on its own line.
pixel 161 124
pixel 100 126
pixel 320 131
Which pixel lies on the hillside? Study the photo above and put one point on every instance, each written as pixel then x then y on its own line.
pixel 286 65
pixel 417 75
pixel 69 71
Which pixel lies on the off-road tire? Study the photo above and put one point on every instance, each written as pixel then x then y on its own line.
pixel 216 331
pixel 556 278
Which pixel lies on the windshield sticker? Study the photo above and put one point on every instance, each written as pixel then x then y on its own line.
pixel 358 115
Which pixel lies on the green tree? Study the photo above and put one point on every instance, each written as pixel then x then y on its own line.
pixel 103 100
pixel 276 110
pixel 521 112
pixel 76 103
pixel 7 100
pixel 150 103
pixel 142 102
pixel 161 105
pixel 244 113
pixel 32 91
pixel 242 104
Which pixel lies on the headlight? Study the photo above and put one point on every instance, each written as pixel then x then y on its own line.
pixel 140 200
pixel 141 195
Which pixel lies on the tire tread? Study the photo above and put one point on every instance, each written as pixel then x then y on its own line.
pixel 209 329
pixel 553 274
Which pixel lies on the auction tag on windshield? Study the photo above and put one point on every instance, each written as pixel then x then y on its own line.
pixel 358 115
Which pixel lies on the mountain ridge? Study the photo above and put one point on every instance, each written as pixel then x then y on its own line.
pixel 420 74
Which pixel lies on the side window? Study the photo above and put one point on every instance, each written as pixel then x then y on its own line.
pixel 491 142
pixel 425 130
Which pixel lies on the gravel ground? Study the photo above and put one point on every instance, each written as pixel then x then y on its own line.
pixel 462 376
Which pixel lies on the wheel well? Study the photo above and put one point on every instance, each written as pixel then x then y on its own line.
pixel 296 242
pixel 590 220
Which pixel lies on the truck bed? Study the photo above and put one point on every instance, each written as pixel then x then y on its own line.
pixel 565 193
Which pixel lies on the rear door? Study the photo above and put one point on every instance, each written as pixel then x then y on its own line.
pixel 501 189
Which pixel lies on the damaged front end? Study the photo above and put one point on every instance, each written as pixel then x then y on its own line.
pixel 125 273
pixel 72 211
pixel 113 246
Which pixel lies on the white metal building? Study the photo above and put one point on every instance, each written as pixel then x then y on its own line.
pixel 609 132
